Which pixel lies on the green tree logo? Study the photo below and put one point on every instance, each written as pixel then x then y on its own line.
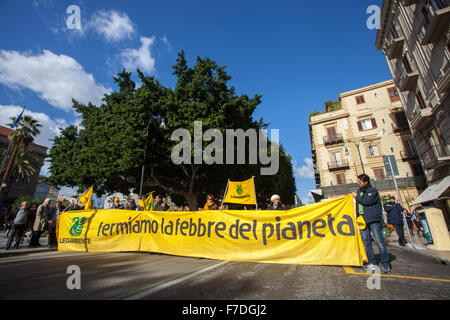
pixel 77 226
pixel 239 189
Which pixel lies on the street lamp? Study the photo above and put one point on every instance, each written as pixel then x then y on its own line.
pixel 162 124
pixel 357 143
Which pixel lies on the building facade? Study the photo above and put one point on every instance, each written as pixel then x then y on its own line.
pixel 22 186
pixel 367 135
pixel 414 36
pixel 44 190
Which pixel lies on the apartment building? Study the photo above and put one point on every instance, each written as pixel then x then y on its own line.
pixel 367 134
pixel 414 36
pixel 23 186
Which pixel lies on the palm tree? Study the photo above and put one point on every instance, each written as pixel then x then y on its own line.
pixel 27 129
pixel 24 167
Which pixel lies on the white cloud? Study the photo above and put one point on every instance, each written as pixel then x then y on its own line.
pixel 56 78
pixel 305 171
pixel 112 25
pixel 68 192
pixel 139 58
pixel 308 199
pixel 50 127
pixel 165 40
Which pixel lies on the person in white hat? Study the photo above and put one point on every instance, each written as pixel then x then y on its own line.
pixel 276 203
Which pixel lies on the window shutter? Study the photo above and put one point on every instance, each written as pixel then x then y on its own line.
pixel 374 123
pixel 360 126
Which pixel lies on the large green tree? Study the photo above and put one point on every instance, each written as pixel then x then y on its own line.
pixel 107 151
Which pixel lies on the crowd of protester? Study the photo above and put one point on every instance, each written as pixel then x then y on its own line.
pixel 30 222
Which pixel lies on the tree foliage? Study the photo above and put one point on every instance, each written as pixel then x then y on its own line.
pixel 107 150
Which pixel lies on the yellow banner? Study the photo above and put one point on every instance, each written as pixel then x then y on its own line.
pixel 242 192
pixel 324 233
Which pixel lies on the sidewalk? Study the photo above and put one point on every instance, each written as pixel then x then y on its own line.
pixel 419 245
pixel 23 248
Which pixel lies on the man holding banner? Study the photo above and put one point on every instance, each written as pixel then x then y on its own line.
pixel 369 206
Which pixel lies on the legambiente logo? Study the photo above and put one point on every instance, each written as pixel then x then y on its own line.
pixel 77 226
pixel 213 153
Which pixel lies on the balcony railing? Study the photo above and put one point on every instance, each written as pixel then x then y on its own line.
pixel 420 117
pixel 406 81
pixel 338 165
pixel 409 155
pixel 336 138
pixel 436 156
pixel 400 126
pixel 436 23
pixel 385 184
pixel 395 49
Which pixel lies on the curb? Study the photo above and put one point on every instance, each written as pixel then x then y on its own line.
pixel 422 251
pixel 9 253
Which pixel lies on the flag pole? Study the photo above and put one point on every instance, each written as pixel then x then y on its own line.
pixel 225 194
pixel 254 190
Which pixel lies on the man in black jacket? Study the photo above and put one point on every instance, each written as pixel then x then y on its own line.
pixel 395 217
pixel 369 206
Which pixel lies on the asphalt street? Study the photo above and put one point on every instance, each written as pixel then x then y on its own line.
pixel 157 276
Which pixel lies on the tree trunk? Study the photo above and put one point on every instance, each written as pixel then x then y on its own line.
pixel 189 195
pixel 6 176
pixel 191 199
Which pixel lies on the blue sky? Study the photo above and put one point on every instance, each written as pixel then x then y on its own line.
pixel 297 54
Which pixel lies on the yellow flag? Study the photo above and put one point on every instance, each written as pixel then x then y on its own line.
pixel 242 192
pixel 148 202
pixel 86 198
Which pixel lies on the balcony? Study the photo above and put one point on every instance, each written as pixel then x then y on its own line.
pixel 444 79
pixel 421 117
pixel 396 48
pixel 400 126
pixel 385 184
pixel 337 165
pixel 332 139
pixel 407 81
pixel 436 24
pixel 409 155
pixel 436 156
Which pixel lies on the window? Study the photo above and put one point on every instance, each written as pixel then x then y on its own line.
pixel 419 100
pixel 393 94
pixel 340 178
pixel 379 173
pixel 373 151
pixel 406 64
pixel 367 124
pixel 337 158
pixel 331 131
pixel 360 99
